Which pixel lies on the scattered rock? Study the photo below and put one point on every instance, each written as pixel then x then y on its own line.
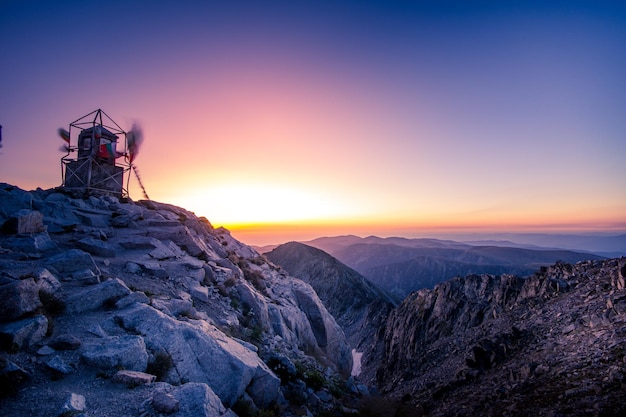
pixel 65 342
pixel 18 299
pixel 96 247
pixel 12 377
pixel 73 405
pixel 23 334
pixel 132 298
pixel 85 277
pixel 71 261
pixel 95 297
pixel 126 352
pixel 58 365
pixel 194 400
pixel 31 244
pixel 25 221
pixel 165 403
pixel 133 378
pixel 45 351
pixel 202 353
pixel 173 307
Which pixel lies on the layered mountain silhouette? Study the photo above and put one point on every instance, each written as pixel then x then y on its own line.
pixel 550 343
pixel 400 266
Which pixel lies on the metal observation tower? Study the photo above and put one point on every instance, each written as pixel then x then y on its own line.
pixel 98 155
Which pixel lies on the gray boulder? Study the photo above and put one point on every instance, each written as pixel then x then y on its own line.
pixel 85 277
pixel 73 405
pixel 23 334
pixel 133 378
pixel 31 243
pixel 139 243
pixel 19 298
pixel 192 399
pixel 327 332
pixel 93 218
pixel 58 366
pixel 186 239
pixel 199 292
pixel 162 252
pixel 149 267
pixel 47 282
pixel 95 297
pixel 165 403
pixel 111 353
pixel 71 261
pixel 12 377
pixel 135 297
pixel 14 199
pixel 24 221
pixel 65 342
pixel 202 353
pixel 172 307
pixel 96 247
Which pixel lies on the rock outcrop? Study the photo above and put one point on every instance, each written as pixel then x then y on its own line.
pixel 149 296
pixel 111 307
pixel 358 306
pixel 549 344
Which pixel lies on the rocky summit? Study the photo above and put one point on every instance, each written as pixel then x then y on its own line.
pixel 119 308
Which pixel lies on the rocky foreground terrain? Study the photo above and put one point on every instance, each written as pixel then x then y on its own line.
pixel 116 308
pixel 553 344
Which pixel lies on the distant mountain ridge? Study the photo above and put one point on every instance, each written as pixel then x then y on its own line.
pixel 402 265
pixel 550 343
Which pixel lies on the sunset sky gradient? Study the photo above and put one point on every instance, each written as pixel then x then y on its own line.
pixel 295 119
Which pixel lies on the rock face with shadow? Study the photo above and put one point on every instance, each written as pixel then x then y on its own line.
pixel 552 344
pixel 101 295
pixel 358 306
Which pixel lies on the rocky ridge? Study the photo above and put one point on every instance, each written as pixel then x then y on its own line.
pixel 358 306
pixel 552 344
pixel 102 295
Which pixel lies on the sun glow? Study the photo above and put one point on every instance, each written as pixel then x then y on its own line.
pixel 257 203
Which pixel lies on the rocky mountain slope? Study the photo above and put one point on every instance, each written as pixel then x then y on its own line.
pixel 359 307
pixel 552 344
pixel 401 266
pixel 118 308
pixel 143 309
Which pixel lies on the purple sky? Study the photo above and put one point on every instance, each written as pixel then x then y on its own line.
pixel 382 117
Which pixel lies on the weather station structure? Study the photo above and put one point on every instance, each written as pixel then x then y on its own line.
pixel 99 155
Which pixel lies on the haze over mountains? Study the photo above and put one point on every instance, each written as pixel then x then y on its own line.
pixel 550 343
pixel 401 265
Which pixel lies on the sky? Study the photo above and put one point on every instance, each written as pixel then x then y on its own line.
pixel 289 120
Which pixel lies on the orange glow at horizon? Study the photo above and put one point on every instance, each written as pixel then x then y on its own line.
pixel 299 119
pixel 276 233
